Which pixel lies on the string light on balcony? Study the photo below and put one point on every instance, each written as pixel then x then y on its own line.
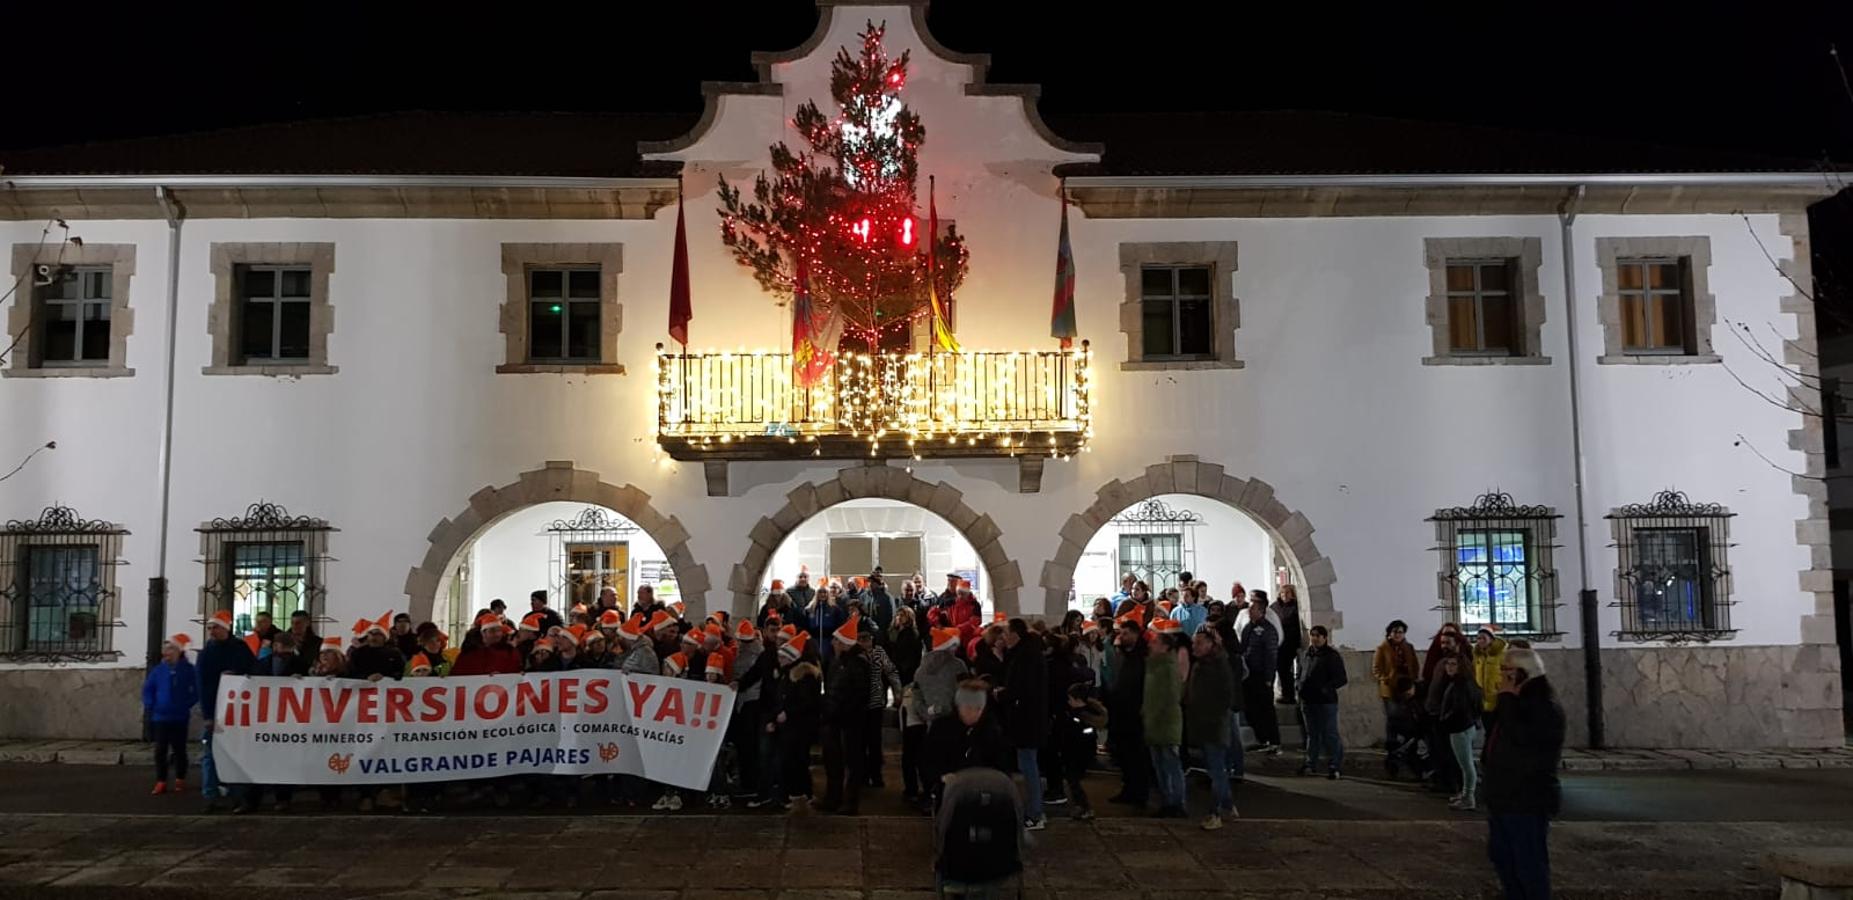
pixel 1015 400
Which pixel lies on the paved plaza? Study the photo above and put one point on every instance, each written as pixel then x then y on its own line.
pixel 91 831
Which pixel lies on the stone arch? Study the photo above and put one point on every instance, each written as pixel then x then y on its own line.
pixel 557 480
pixel 1291 530
pixel 877 480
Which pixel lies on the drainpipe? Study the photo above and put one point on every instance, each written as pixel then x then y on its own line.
pixel 1586 596
pixel 157 586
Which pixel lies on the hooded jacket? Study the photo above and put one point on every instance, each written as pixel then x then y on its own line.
pixel 938 677
pixel 170 690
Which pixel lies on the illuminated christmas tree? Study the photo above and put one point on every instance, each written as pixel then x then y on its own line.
pixel 847 205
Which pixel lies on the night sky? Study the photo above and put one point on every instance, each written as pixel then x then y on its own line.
pixel 1742 76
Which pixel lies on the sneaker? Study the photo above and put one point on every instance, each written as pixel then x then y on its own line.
pixel 675 802
pixel 1271 749
pixel 759 803
pixel 180 786
pixel 1332 775
pixel 1081 814
pixel 1054 801
pixel 1212 822
pixel 661 804
pixel 720 801
pixel 160 787
pixel 1036 824
pixel 1462 804
pixel 1231 813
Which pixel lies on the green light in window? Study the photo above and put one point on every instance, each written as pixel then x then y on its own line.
pixel 555 307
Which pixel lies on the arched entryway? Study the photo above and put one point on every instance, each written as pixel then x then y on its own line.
pixel 882 481
pixel 557 480
pixel 1291 531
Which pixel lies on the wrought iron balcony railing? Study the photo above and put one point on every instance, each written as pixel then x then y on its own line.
pixel 896 405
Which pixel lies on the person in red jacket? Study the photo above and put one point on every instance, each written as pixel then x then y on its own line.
pixel 494 656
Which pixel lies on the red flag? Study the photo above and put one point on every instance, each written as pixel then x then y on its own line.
pixel 1061 317
pixel 681 305
pixel 942 331
pixel 808 360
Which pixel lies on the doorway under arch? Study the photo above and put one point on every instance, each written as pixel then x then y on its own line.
pixel 1289 531
pixel 881 481
pixel 557 480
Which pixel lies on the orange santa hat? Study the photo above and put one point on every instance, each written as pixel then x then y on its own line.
pixel 331 644
pixel 610 619
pixel 946 639
pixel 662 621
pixel 421 664
pixel 531 622
pixel 717 665
pixel 849 631
pixel 675 665
pixel 222 618
pixel 254 642
pixel 632 630
pixel 794 648
pixel 745 631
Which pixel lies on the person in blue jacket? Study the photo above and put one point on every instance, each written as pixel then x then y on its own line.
pixel 223 655
pixel 168 694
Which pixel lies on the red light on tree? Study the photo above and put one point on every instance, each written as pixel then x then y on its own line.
pixel 907 232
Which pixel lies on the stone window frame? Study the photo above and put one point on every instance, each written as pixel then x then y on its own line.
pixel 1495 510
pixel 1695 251
pixel 1527 256
pixel 1225 307
pixel 121 260
pixel 517 259
pixel 222 316
pixel 1671 510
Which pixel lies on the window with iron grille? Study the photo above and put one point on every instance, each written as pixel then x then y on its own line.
pixel 1175 304
pixel 1497 565
pixel 265 561
pixel 1656 300
pixel 1483 308
pixel 74 316
pixel 58 599
pixel 273 314
pixel 563 314
pixel 1672 579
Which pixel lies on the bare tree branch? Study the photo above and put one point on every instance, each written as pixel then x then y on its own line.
pixel 31 269
pixel 1767 398
pixel 1745 443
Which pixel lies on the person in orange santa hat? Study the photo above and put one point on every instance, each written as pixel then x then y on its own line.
pixel 169 693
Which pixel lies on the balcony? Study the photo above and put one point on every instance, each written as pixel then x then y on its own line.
pixel 717 407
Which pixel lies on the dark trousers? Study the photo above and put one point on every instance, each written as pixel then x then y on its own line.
pixel 170 750
pixel 768 767
pixel 1285 667
pixel 746 744
pixel 1258 705
pixel 795 760
pixel 1519 846
pixel 1127 746
pixel 872 736
pixel 846 755
pixel 913 744
pixel 1049 763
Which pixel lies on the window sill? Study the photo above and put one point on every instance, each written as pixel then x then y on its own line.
pixel 69 372
pixel 1676 638
pixel 1486 360
pixel 54 657
pixel 560 369
pixel 277 371
pixel 1180 365
pixel 1658 359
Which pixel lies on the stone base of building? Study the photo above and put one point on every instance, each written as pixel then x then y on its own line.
pixel 83 704
pixel 1697 698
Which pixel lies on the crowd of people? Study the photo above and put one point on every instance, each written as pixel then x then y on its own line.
pixel 1163 681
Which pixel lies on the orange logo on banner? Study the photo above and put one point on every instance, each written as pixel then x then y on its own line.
pixel 607 752
pixel 338 764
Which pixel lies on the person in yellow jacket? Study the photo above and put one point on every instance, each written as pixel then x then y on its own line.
pixel 1489 652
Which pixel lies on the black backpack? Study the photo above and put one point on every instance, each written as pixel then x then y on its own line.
pixel 979 842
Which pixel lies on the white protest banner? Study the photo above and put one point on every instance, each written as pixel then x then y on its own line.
pixel 333 731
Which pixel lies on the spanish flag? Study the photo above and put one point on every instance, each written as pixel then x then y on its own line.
pixel 943 338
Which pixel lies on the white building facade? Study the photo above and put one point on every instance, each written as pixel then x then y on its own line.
pixel 1391 395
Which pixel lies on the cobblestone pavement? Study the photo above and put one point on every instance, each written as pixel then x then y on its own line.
pixel 883 858
pixel 136 753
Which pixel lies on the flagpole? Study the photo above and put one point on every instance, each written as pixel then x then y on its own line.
pixel 932 312
pixel 683 362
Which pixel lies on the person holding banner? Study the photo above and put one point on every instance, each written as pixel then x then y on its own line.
pixel 493 656
pixel 376 657
pixel 223 655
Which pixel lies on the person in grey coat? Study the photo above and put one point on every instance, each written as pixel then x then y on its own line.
pixel 1260 652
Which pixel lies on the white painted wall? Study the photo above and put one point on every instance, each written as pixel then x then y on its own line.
pixel 1334 407
pixel 1226 546
pixel 946 550
pixel 511 558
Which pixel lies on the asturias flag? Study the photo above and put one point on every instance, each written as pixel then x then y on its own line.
pixel 942 333
pixel 681 305
pixel 1061 317
pixel 809 360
